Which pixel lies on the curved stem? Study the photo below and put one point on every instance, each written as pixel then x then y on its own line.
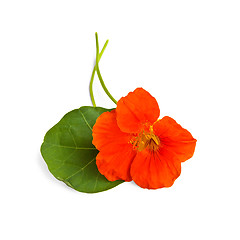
pixel 99 74
pixel 93 73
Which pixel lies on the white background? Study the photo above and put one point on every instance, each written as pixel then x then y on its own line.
pixel 185 53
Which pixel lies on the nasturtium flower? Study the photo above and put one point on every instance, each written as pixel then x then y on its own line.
pixel 135 145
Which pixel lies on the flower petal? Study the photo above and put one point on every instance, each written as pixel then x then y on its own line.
pixel 137 108
pixel 175 138
pixel 154 170
pixel 116 152
pixel 116 166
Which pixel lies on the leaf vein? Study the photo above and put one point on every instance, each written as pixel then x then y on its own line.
pixel 64 161
pixel 85 120
pixel 95 185
pixel 76 148
pixel 69 129
pixel 80 169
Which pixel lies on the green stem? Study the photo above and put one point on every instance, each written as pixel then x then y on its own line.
pixel 92 77
pixel 99 74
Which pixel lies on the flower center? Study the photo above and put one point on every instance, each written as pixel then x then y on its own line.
pixel 146 140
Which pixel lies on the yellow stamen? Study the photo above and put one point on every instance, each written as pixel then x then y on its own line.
pixel 147 140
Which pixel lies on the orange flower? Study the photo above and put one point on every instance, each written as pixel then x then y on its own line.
pixel 134 145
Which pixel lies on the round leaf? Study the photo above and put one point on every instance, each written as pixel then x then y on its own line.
pixel 70 155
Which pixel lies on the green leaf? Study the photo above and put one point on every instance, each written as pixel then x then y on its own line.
pixel 70 155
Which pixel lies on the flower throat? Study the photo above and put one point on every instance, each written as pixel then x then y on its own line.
pixel 145 140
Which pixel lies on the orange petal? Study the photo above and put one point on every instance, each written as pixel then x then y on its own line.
pixel 116 153
pixel 116 166
pixel 154 170
pixel 175 138
pixel 137 108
